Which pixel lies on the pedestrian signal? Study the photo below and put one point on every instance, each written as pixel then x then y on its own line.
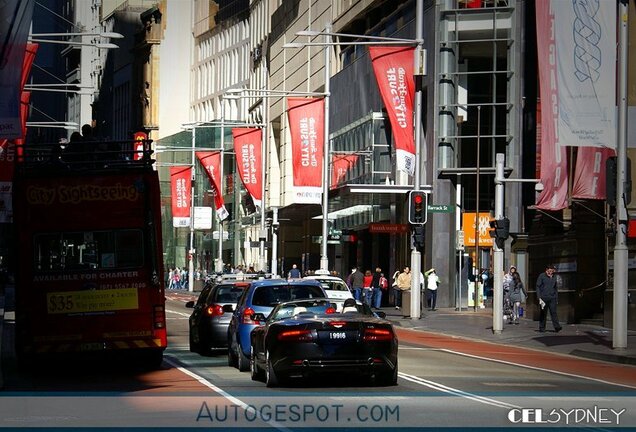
pixel 500 231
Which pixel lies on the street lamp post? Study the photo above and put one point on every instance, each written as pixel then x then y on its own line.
pixel 497 305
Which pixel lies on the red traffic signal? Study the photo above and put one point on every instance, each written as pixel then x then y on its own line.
pixel 417 207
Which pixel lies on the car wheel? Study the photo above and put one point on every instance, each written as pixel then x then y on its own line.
pixel 271 380
pixel 231 357
pixel 194 347
pixel 387 379
pixel 254 371
pixel 243 362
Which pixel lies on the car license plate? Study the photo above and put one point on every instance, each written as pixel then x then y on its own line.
pixel 93 346
pixel 336 336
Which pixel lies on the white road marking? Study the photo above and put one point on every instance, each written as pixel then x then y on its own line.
pixel 456 392
pixel 183 314
pixel 539 369
pixel 220 391
pixel 503 384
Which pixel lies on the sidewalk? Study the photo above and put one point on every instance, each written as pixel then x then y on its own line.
pixel 587 341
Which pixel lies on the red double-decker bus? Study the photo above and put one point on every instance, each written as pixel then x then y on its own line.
pixel 89 271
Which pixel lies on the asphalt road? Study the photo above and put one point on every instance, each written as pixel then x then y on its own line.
pixel 442 382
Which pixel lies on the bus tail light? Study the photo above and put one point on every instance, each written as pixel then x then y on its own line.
pixel 377 335
pixel 159 317
pixel 214 310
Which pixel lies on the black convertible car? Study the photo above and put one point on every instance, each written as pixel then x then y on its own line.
pixel 306 337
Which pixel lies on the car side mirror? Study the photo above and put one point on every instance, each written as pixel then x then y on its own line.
pixel 381 314
pixel 190 304
pixel 228 308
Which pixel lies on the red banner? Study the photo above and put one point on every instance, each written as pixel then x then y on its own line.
pixel 27 63
pixel 211 161
pixel 341 165
pixel 181 188
pixel 16 17
pixel 393 67
pixel 307 127
pixel 247 149
pixel 554 173
pixel 589 177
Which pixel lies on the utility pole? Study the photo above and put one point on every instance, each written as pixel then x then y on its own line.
pixel 619 319
pixel 419 70
pixel 497 266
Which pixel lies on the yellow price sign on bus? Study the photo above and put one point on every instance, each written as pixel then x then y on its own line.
pixel 65 302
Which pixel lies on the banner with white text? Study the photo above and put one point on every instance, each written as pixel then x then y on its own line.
pixel 554 172
pixel 393 67
pixel 589 177
pixel 341 165
pixel 211 161
pixel 306 124
pixel 585 46
pixel 247 149
pixel 181 188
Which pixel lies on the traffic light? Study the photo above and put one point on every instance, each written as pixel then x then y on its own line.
pixel 418 236
pixel 417 207
pixel 500 231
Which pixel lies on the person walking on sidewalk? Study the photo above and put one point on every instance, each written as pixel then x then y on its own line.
pixel 403 284
pixel 357 281
pixel 376 289
pixel 294 273
pixel 367 288
pixel 517 296
pixel 432 283
pixel 548 298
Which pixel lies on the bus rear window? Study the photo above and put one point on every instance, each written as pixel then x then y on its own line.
pixel 84 250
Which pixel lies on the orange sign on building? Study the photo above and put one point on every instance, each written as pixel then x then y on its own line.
pixel 468 226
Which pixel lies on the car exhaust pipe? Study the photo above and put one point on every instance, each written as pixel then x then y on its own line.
pixel 305 362
pixel 370 361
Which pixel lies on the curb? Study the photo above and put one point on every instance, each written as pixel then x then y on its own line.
pixel 407 324
pixel 613 358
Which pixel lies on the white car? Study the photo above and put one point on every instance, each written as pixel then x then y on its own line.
pixel 335 288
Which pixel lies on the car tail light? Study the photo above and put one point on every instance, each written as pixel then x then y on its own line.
pixel 214 310
pixel 247 316
pixel 296 336
pixel 337 324
pixel 377 335
pixel 159 317
pixel 330 310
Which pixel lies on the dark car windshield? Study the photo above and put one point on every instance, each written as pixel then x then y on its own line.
pixel 271 295
pixel 333 285
pixel 288 310
pixel 228 293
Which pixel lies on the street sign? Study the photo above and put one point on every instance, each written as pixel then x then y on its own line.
pixel 203 218
pixel 460 240
pixel 440 208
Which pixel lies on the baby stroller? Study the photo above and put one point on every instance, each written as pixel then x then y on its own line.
pixel 507 307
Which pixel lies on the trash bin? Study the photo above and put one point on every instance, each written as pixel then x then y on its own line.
pixel 406 303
